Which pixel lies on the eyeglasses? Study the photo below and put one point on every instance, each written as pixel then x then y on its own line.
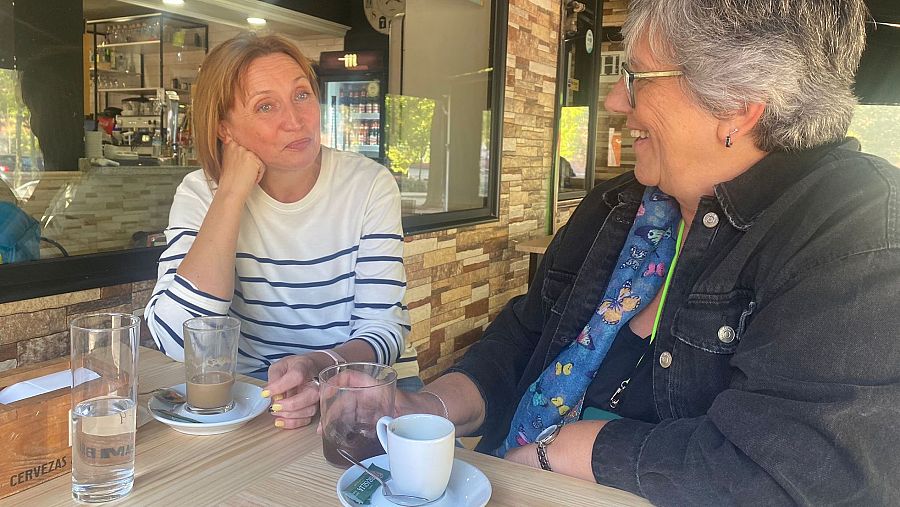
pixel 631 76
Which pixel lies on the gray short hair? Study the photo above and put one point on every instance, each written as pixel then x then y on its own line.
pixel 799 57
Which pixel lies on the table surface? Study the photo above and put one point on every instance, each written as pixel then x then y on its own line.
pixel 261 465
pixel 536 246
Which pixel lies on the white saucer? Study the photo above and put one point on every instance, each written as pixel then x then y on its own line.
pixel 247 404
pixel 468 486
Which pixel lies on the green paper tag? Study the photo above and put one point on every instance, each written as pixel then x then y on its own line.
pixel 360 491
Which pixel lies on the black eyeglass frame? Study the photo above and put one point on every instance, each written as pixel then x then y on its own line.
pixel 630 77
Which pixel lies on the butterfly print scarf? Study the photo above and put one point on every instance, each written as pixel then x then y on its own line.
pixel 558 393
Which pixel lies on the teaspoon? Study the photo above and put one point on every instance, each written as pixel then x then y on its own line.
pixel 405 500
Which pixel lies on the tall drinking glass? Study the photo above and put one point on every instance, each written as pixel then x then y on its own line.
pixel 210 358
pixel 353 397
pixel 104 405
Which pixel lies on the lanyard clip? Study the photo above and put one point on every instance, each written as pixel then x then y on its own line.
pixel 615 398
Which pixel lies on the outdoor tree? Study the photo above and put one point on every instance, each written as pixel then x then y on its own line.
pixel 407 129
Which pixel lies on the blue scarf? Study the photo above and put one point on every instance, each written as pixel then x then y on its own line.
pixel 558 393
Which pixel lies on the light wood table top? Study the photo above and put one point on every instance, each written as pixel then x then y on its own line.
pixel 536 246
pixel 261 465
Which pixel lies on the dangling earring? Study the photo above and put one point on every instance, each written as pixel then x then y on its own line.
pixel 728 138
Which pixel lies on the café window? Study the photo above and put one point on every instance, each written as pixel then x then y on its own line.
pixel 21 160
pixel 614 152
pixel 433 117
pixel 427 108
pixel 443 111
pixel 611 63
pixel 876 120
pixel 576 112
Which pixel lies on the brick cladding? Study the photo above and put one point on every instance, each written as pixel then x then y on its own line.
pixel 36 330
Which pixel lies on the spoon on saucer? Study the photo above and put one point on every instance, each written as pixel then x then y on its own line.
pixel 405 500
pixel 168 396
pixel 168 414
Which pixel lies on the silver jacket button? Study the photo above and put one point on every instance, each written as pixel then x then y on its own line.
pixel 665 359
pixel 710 220
pixel 726 334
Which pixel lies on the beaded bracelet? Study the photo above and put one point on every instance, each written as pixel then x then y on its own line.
pixel 446 412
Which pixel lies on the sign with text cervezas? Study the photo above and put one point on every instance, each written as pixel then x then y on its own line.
pixel 34 432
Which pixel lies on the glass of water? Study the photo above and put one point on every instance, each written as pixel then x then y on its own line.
pixel 104 405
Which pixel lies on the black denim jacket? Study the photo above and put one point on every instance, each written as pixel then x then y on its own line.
pixel 776 367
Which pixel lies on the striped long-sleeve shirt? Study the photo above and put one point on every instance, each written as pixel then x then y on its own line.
pixel 309 275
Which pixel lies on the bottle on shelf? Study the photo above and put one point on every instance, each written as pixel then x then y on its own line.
pixel 351 101
pixel 374 134
pixel 362 133
pixel 363 102
pixel 156 143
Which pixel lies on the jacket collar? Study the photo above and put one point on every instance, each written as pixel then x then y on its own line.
pixel 745 197
pixel 628 191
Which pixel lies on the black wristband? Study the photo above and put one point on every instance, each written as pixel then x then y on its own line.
pixel 542 457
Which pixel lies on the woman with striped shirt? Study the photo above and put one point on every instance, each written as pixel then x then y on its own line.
pixel 302 243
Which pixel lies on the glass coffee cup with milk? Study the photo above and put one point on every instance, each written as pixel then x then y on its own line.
pixel 210 358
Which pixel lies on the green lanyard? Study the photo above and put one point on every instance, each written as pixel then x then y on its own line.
pixel 616 397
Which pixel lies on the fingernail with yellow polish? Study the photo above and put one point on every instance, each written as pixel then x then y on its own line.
pixel 265 393
pixel 278 397
pixel 279 423
pixel 276 407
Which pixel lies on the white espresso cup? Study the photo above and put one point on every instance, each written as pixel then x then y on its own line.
pixel 420 452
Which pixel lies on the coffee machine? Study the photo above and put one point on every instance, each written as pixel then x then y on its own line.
pixel 148 127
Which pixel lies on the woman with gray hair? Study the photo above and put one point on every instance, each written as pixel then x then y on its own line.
pixel 719 326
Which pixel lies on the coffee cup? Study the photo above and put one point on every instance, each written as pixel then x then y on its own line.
pixel 420 453
pixel 210 358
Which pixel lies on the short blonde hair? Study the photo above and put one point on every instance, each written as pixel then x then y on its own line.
pixel 221 79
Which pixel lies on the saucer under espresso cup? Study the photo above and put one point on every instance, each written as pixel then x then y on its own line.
pixel 468 486
pixel 420 452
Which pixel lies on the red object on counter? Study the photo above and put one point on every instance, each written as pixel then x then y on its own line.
pixel 107 123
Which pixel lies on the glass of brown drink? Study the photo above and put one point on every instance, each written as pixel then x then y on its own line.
pixel 210 357
pixel 353 397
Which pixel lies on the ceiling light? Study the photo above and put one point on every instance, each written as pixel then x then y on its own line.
pixel 256 21
pixel 173 2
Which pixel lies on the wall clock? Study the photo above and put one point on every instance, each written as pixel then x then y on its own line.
pixel 380 12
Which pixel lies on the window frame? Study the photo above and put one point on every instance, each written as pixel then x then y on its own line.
pixel 593 97
pixel 431 222
pixel 47 277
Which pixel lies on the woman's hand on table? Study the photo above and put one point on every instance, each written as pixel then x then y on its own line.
pixel 570 454
pixel 295 395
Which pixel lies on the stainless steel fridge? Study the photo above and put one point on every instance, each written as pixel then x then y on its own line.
pixel 352 85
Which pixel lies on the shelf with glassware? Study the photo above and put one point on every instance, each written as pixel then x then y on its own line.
pixel 119 67
pixel 136 64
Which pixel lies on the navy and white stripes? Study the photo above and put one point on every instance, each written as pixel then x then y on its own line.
pixel 309 275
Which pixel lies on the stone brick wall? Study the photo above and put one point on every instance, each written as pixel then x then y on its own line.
pixel 36 330
pixel 459 279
